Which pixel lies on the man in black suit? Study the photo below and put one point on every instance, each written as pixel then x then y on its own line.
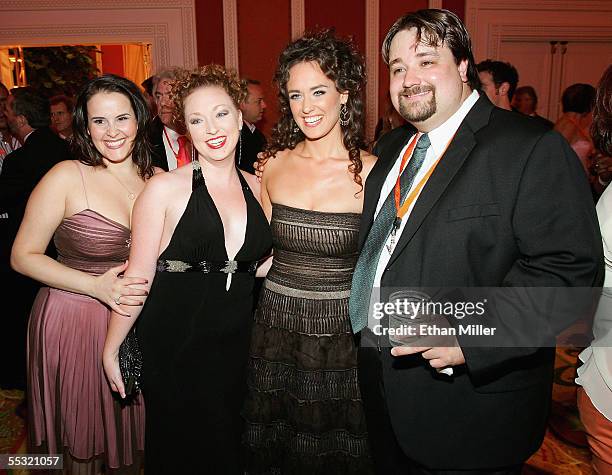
pixel 252 141
pixel 170 146
pixel 28 118
pixel 506 204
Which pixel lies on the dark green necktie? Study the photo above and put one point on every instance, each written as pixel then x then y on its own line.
pixel 365 270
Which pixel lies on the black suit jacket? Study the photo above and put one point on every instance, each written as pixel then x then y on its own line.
pixel 251 144
pixel 21 172
pixel 508 205
pixel 23 169
pixel 156 138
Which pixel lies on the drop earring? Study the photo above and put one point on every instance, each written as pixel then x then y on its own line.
pixel 345 116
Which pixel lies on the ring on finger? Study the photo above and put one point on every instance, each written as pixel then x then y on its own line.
pixel 117 300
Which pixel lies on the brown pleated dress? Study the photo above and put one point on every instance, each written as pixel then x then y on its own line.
pixel 304 412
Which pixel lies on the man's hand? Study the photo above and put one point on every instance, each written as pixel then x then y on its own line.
pixel 439 357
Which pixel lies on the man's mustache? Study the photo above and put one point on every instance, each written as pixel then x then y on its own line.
pixel 411 91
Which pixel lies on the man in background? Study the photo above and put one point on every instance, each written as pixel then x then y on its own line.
pixel 8 142
pixel 61 115
pixel 252 141
pixel 170 146
pixel 525 101
pixel 499 81
pixel 28 117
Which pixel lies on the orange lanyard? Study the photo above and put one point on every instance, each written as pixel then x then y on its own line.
pixel 401 211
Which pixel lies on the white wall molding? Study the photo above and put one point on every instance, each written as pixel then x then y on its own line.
pixel 546 5
pixel 520 31
pixel 168 25
pixel 491 21
pixel 298 18
pixel 230 34
pixel 510 32
pixel 372 55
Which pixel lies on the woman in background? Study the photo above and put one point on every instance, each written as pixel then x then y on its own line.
pixel 198 234
pixel 85 207
pixel 304 412
pixel 595 375
pixel 575 123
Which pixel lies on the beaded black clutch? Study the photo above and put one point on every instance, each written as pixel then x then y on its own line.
pixel 130 363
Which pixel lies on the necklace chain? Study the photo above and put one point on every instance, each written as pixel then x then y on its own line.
pixel 131 195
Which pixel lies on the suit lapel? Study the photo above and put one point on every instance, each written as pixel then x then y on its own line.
pixel 456 154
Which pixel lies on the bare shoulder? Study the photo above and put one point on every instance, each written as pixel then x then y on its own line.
pixel 65 175
pixel 157 170
pixel 253 183
pixel 275 161
pixel 368 161
pixel 163 184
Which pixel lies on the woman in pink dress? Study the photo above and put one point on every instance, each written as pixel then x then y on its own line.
pixel 85 206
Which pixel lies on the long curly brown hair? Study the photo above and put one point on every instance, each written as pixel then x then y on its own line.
pixel 210 75
pixel 601 130
pixel 341 63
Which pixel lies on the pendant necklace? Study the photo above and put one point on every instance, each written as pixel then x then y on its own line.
pixel 131 195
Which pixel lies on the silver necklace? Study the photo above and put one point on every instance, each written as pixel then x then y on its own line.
pixel 131 195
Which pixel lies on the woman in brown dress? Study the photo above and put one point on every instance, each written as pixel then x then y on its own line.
pixel 303 412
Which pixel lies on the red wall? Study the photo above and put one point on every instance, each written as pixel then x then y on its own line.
pixel 455 6
pixel 209 31
pixel 348 18
pixel 264 29
pixel 112 59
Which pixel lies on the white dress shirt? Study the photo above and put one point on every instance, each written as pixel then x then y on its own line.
pixel 171 147
pixel 439 138
pixel 250 126
pixel 595 375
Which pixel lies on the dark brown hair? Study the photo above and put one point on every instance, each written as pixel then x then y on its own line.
pixel 501 72
pixel 435 28
pixel 341 63
pixel 578 98
pixel 82 146
pixel 601 129
pixel 209 75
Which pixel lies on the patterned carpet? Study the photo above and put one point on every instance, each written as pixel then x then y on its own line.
pixel 564 451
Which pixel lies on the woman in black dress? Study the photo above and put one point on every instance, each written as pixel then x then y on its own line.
pixel 198 235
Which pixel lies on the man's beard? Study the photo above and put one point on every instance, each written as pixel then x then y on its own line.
pixel 417 111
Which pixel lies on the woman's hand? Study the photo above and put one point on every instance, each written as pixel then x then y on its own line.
pixel 110 360
pixel 260 165
pixel 114 290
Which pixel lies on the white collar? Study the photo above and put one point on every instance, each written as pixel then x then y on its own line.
pixel 250 126
pixel 442 135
